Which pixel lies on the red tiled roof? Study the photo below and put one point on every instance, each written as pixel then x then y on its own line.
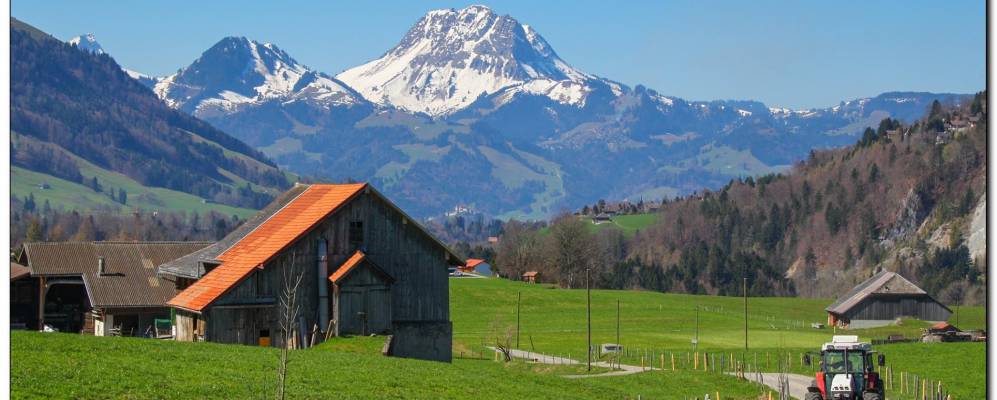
pixel 941 325
pixel 18 271
pixel 347 266
pixel 473 262
pixel 263 243
pixel 531 273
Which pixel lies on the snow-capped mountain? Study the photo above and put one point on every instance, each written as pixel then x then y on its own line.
pixel 87 42
pixel 475 107
pixel 237 72
pixel 451 57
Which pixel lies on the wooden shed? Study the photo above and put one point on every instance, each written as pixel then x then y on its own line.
pixel 531 276
pixel 366 267
pixel 883 298
pixel 101 288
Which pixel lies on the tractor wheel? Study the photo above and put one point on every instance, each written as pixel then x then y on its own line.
pixel 871 396
pixel 813 396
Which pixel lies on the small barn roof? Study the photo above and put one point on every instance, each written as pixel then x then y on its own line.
pixel 271 236
pixel 530 273
pixel 18 271
pixel 351 264
pixel 883 283
pixel 130 278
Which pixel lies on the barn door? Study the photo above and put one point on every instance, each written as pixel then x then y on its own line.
pixel 377 306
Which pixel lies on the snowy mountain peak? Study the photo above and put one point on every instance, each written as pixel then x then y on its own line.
pixel 237 70
pixel 87 42
pixel 451 57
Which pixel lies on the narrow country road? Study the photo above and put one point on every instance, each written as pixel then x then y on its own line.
pixel 548 359
pixel 797 383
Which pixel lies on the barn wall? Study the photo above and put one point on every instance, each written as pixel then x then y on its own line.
pixel 184 326
pixel 418 265
pixel 892 307
pixel 242 325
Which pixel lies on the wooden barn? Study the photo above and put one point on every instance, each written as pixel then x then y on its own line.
pixel 366 268
pixel 99 288
pixel 883 298
pixel 531 277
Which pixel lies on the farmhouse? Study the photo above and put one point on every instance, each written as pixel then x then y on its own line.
pixel 100 288
pixel 476 266
pixel 881 299
pixel 365 267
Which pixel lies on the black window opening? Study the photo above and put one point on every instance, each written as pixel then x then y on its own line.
pixel 356 234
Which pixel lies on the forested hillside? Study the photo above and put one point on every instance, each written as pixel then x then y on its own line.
pixel 908 198
pixel 70 106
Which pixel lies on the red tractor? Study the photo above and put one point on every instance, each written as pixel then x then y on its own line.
pixel 847 372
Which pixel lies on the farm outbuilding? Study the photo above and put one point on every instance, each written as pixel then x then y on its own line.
pixel 365 267
pixel 100 288
pixel 531 276
pixel 883 298
pixel 23 298
pixel 476 266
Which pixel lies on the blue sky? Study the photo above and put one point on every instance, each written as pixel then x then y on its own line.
pixel 784 53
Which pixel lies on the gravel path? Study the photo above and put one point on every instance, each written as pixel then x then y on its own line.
pixel 624 369
pixel 797 383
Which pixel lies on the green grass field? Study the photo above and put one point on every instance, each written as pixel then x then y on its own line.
pixel 552 321
pixel 73 366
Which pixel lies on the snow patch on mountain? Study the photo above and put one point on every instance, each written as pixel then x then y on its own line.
pixel 87 42
pixel 452 57
pixel 238 71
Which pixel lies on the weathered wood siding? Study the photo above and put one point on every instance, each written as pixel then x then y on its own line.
pixel 363 303
pixel 416 263
pixel 891 307
pixel 185 326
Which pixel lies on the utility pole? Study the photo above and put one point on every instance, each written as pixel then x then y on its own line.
pixel 588 295
pixel 618 321
pixel 518 301
pixel 695 342
pixel 745 288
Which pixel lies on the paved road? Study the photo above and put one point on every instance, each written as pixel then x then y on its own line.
pixel 624 369
pixel 797 383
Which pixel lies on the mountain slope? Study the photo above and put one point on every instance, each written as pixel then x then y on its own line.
pixel 450 57
pixel 73 103
pixel 475 109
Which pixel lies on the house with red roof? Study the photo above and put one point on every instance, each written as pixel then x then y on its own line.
pixel 365 268
pixel 476 266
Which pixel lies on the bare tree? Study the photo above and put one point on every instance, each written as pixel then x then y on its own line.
pixel 503 334
pixel 289 310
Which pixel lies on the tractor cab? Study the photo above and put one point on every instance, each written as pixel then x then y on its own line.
pixel 847 371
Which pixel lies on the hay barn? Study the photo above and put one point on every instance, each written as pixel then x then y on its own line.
pixel 366 268
pixel 883 298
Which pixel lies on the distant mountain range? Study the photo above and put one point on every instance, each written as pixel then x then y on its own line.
pixel 86 136
pixel 473 108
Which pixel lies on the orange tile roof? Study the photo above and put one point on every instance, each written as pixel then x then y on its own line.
pixel 473 262
pixel 347 266
pixel 259 246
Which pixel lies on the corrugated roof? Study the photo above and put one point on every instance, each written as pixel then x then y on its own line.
pixel 885 282
pixel 271 236
pixel 130 278
pixel 191 265
pixel 347 266
pixel 18 271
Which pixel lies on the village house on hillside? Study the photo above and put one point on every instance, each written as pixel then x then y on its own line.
pixel 476 266
pixel 881 299
pixel 366 267
pixel 99 288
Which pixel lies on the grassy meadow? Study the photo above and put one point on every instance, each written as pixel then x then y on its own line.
pixel 47 365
